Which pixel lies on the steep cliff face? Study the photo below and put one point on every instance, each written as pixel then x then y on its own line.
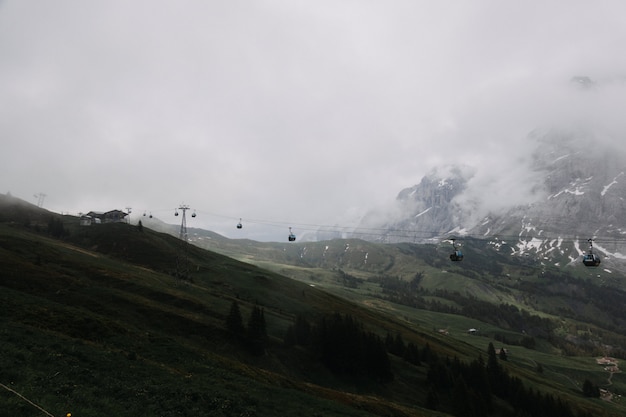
pixel 423 211
pixel 580 177
pixel 582 181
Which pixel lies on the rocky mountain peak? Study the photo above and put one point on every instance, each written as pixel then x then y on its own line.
pixel 579 184
pixel 422 211
pixel 438 188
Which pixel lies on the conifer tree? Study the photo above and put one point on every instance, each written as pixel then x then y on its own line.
pixel 398 346
pixel 257 333
pixel 461 405
pixel 234 322
pixel 497 376
pixel 412 354
pixel 590 390
pixel 56 228
pixel 502 355
pixel 302 331
pixel 492 360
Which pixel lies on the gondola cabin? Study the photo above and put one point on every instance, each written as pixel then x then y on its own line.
pixel 456 256
pixel 292 237
pixel 239 225
pixel 591 259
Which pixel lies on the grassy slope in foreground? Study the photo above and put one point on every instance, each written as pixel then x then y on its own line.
pixel 101 336
pixel 86 333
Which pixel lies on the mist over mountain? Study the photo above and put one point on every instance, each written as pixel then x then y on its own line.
pixel 567 189
pixel 423 211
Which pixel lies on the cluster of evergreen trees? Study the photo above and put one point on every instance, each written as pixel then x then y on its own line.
pixel 254 336
pixel 468 389
pixel 463 389
pixel 343 346
pixel 339 342
pixel 56 228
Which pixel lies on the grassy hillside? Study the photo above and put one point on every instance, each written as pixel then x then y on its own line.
pixel 97 321
pixel 572 296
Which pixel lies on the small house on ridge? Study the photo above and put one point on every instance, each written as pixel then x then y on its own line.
pixel 97 217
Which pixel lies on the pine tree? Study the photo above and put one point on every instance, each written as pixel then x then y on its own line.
pixel 496 374
pixel 590 390
pixel 234 322
pixel 398 346
pixel 492 359
pixel 412 354
pixel 302 330
pixel 479 382
pixel 502 355
pixel 539 368
pixel 257 333
pixel 56 228
pixel 460 399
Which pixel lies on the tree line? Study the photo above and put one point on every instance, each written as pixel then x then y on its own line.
pixel 347 349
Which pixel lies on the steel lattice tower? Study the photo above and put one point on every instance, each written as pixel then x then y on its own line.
pixel 182 260
pixel 183 223
pixel 40 197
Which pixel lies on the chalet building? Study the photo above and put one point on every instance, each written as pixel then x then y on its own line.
pixel 607 361
pixel 97 217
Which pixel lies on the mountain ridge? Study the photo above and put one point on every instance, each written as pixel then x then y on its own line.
pixel 576 185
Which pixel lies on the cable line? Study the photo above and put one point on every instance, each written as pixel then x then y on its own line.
pixel 589 259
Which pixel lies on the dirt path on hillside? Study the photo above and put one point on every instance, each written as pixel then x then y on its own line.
pixel 77 249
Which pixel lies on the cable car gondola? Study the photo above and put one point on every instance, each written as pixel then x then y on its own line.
pixel 239 225
pixel 457 255
pixel 590 258
pixel 292 237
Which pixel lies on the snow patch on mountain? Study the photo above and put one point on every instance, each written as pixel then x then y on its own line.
pixel 608 253
pixel 423 212
pixel 576 188
pixel 606 187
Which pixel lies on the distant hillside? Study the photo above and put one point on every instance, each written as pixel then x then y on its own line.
pixel 100 321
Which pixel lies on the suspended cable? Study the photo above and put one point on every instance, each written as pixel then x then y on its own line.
pixel 408 234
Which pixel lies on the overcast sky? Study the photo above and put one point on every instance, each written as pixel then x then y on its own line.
pixel 282 111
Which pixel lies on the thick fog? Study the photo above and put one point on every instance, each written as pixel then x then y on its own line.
pixel 292 113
